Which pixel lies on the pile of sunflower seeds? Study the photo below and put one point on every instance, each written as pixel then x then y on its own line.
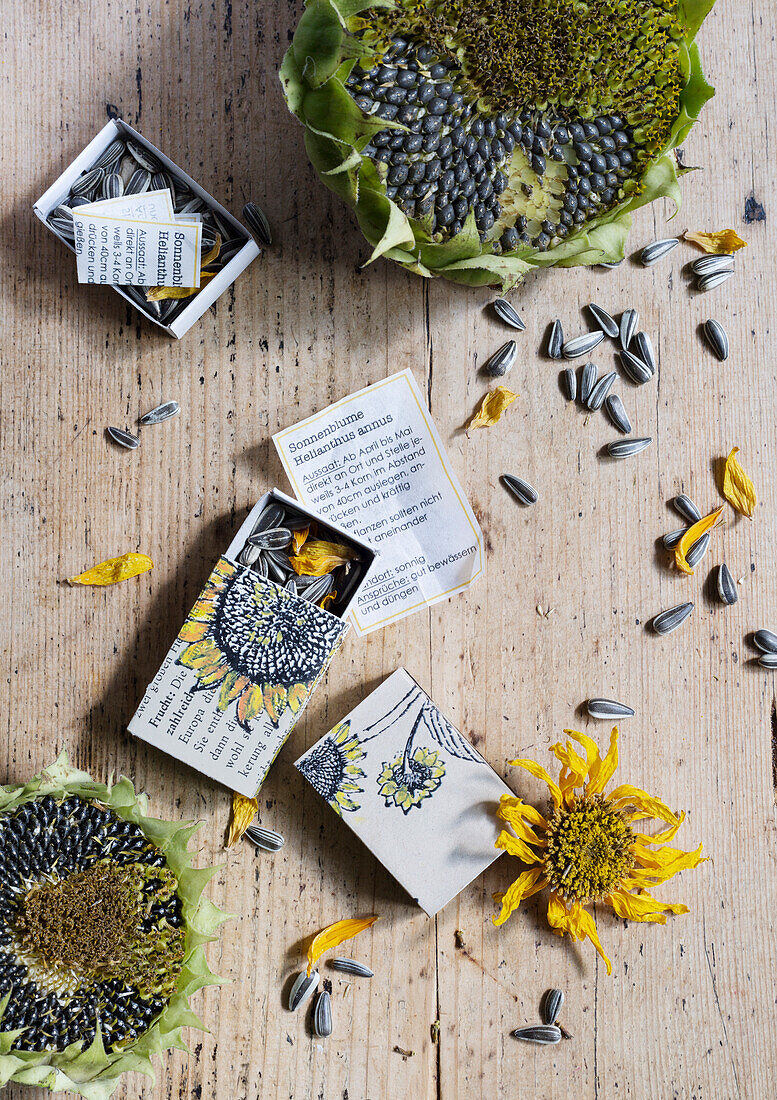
pixel 549 1031
pixel 305 985
pixel 267 549
pixel 711 271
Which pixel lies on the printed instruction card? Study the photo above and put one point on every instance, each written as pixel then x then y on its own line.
pixel 375 464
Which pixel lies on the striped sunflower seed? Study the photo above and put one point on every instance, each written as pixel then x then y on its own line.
pixel 670 619
pixel 603 320
pixel 521 490
pixel 544 1034
pixel 113 186
pixel 351 966
pixel 61 219
pixel 685 507
pixel 717 338
pixel 608 708
pixel 671 540
pixel 127 165
pixel 87 182
pixel 506 313
pixel 110 156
pixel 582 345
pixel 270 517
pixel 628 326
pixel 322 1015
pixel 249 554
pixel 617 414
pixel 260 566
pixel 257 222
pixel 319 588
pixel 624 448
pixel 766 640
pixel 191 205
pixel 600 391
pixel 610 266
pixel 656 251
pixel 551 1006
pixel 160 413
pixel 727 590
pixel 768 660
pixel 502 360
pixel 278 566
pixel 77 200
pixel 144 158
pixel 637 371
pixel 139 182
pixel 555 340
pixel 710 265
pixel 303 987
pixel 587 381
pixel 124 439
pixel 266 839
pixel 698 549
pixel 272 538
pixel 163 181
pixel 643 347
pixel 709 282
pixel 569 383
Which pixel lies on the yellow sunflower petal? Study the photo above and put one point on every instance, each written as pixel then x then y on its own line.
pixel 511 809
pixel 720 243
pixel 244 811
pixel 692 534
pixel 231 687
pixel 577 922
pixel 199 654
pixel 524 831
pixel 603 771
pixel 528 883
pixel 667 860
pixel 591 749
pixel 297 696
pixel 250 704
pixel 539 772
pixel 574 769
pixel 162 293
pixel 738 489
pixel 318 557
pixel 299 538
pixel 642 907
pixel 275 700
pixel 114 570
pixel 193 631
pixel 491 407
pixel 213 674
pixel 644 802
pixel 336 934
pixel 664 836
pixel 516 847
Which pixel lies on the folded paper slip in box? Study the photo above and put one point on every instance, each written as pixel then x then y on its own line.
pixel 415 791
pixel 174 316
pixel 245 662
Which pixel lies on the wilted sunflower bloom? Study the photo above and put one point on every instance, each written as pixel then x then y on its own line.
pixel 587 848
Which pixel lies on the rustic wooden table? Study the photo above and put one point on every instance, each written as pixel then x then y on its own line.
pixel 689 1010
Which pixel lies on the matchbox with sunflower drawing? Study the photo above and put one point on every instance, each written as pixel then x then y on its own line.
pixel 256 643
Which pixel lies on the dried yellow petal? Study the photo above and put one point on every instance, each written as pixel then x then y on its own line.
pixel 329 596
pixel 336 934
pixel 299 538
pixel 491 407
pixel 162 293
pixel 690 537
pixel 244 811
pixel 718 244
pixel 114 570
pixel 318 557
pixel 738 489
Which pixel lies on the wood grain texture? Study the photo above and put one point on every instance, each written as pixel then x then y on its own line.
pixel 689 1011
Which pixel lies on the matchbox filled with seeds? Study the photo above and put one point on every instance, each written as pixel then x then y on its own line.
pixel 255 645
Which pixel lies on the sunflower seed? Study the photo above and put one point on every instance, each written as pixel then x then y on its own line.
pixel 569 380
pixel 698 549
pixel 624 448
pixel 272 538
pixel 506 313
pixel 352 583
pixel 160 413
pixel 600 391
pixel 555 340
pixel 617 263
pixel 643 346
pixel 260 566
pixel 295 521
pixel 637 371
pixel 110 156
pixel 587 381
pixel 193 205
pixel 654 252
pixel 351 966
pixel 551 1006
pixel 628 326
pixel 124 439
pixel 766 640
pixel 670 619
pixel 521 490
pixel 671 540
pixel 257 222
pixel 608 708
pixel 270 517
pixel 717 338
pixel 581 345
pixel 143 157
pixel 278 568
pixel 77 200
pixel 266 839
pixel 710 265
pixel 685 507
pixel 249 554
pixel 163 181
pixel 603 320
pixel 502 360
pixel 303 987
pixel 61 220
pixel 139 182
pixel 768 660
pixel 319 588
pixel 322 1015
pixel 727 590
pixel 87 182
pixel 127 165
pixel 113 186
pixel 544 1034
pixel 617 414
pixel 709 282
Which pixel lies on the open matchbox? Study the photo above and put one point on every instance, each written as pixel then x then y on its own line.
pixel 244 665
pixel 209 291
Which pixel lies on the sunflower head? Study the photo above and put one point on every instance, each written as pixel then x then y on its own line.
pixel 408 780
pixel 332 768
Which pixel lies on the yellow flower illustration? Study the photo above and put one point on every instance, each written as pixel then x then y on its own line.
pixel 331 768
pixel 408 780
pixel 587 849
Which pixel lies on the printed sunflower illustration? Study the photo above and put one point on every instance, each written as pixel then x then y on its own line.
pixel 587 850
pixel 332 770
pixel 409 779
pixel 263 647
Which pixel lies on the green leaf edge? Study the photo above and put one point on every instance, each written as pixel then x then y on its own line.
pixel 92 1073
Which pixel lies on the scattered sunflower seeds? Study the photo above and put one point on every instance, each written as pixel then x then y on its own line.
pixel 600 391
pixel 670 619
pixel 766 640
pixel 587 381
pixel 624 448
pixel 521 490
pixel 582 345
pixel 506 313
pixel 637 371
pixel 710 265
pixel 256 220
pixel 608 708
pixel 322 1015
pixel 160 413
pixel 717 338
pixel 727 590
pixel 628 326
pixel 502 360
pixel 656 251
pixel 644 350
pixel 351 966
pixel 303 987
pixel 671 540
pixel 709 282
pixel 768 660
pixel 685 507
pixel 617 413
pixel 551 1006
pixel 555 340
pixel 603 320
pixel 124 439
pixel 698 550
pixel 569 382
pixel 266 839
pixel 544 1034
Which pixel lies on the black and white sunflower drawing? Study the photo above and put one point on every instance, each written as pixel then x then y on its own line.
pixel 331 768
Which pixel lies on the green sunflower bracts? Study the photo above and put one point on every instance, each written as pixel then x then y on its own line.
pixel 102 926
pixel 479 139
